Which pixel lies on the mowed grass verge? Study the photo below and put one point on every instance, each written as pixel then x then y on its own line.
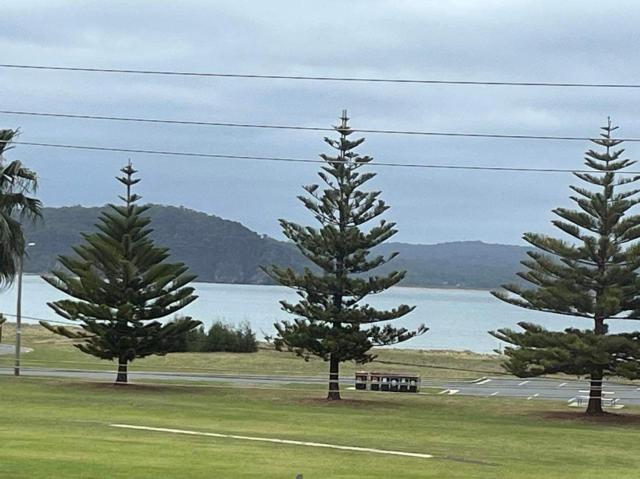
pixel 51 351
pixel 55 428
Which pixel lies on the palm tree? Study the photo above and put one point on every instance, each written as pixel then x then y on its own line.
pixel 16 183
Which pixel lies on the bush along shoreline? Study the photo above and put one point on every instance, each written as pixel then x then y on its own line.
pixel 220 337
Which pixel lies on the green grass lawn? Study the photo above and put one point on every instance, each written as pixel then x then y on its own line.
pixel 55 428
pixel 50 350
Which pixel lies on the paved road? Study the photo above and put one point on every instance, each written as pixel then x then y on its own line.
pixel 569 391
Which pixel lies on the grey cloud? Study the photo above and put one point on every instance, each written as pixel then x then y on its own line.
pixel 497 40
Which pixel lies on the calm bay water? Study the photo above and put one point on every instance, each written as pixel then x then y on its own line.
pixel 458 319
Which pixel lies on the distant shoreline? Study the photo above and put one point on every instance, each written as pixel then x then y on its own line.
pixel 437 288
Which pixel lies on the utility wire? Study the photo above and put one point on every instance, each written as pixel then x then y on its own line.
pixel 46 377
pixel 302 160
pixel 429 383
pixel 22 316
pixel 238 374
pixel 434 366
pixel 319 78
pixel 303 128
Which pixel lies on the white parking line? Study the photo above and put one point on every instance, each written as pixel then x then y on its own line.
pixel 272 440
pixel 484 381
pixel 534 396
pixel 450 392
pixel 562 385
pixel 523 383
pixel 494 394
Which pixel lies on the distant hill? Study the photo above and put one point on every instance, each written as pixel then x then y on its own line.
pixel 459 264
pixel 223 251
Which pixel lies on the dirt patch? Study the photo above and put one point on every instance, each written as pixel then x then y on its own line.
pixel 348 403
pixel 579 417
pixel 143 387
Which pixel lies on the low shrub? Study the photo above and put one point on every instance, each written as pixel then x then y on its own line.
pixel 220 337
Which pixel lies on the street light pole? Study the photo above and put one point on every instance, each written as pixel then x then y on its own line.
pixel 16 369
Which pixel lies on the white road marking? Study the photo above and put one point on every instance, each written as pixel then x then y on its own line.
pixel 272 440
pixel 534 396
pixel 494 394
pixel 523 383
pixel 562 385
pixel 484 381
pixel 450 392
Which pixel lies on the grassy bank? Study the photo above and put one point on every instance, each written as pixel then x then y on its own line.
pixel 53 428
pixel 50 350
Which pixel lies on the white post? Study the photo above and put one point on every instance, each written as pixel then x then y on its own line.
pixel 16 369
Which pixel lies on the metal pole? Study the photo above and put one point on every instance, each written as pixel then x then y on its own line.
pixel 16 370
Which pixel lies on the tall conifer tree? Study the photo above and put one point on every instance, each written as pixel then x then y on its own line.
pixel 331 320
pixel 121 286
pixel 592 276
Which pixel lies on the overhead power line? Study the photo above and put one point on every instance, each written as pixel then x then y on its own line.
pixel 301 160
pixel 68 323
pixel 435 366
pixel 320 78
pixel 299 127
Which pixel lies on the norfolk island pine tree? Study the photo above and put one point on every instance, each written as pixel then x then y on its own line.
pixel 331 321
pixel 592 276
pixel 121 285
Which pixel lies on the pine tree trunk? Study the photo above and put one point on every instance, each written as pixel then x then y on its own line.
pixel 123 376
pixel 594 408
pixel 334 375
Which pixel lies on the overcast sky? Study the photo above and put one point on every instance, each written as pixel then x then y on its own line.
pixel 548 41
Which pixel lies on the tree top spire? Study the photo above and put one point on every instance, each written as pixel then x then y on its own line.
pixel 128 180
pixel 343 128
